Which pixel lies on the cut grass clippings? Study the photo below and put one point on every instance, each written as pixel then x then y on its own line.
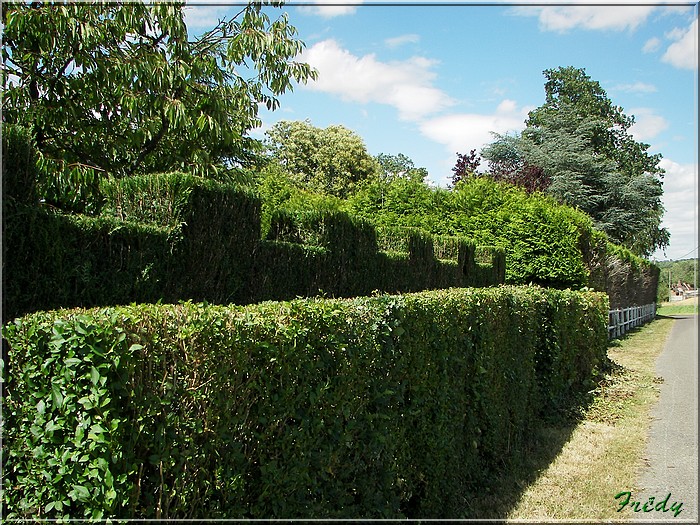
pixel 604 454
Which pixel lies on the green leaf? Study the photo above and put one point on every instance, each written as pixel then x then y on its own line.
pixel 56 396
pixel 86 402
pixel 72 361
pixel 79 493
pixel 94 375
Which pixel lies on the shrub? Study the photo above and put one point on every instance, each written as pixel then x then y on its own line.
pixel 382 407
pixel 19 169
pixel 540 237
pixel 58 260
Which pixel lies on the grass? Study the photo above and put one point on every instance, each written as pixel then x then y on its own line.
pixel 685 307
pixel 574 470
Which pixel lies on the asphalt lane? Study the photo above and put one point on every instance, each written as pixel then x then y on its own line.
pixel 672 450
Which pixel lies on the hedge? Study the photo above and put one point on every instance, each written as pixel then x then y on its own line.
pixel 54 260
pixel 629 280
pixel 380 407
pixel 177 237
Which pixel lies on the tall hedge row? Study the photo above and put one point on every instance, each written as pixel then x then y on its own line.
pixel 53 260
pixel 177 237
pixel 628 279
pixel 380 407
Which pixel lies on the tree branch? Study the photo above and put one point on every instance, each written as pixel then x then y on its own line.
pixel 150 144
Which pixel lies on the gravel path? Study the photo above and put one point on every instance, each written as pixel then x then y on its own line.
pixel 672 451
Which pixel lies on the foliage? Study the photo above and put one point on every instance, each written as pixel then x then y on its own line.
pixel 31 178
pixel 628 279
pixel 399 166
pixel 382 407
pixel 540 237
pixel 54 260
pixel 582 143
pixel 466 166
pixel 684 270
pixel 176 236
pixel 331 161
pixel 19 167
pixel 278 191
pixel 121 88
pixel 508 162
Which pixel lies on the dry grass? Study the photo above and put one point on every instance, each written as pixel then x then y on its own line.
pixel 604 453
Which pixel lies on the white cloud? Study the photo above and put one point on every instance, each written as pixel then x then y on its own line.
pixel 205 17
pixel 636 87
pixel 401 40
pixel 463 132
pixel 330 8
pixel 683 53
pixel 594 17
pixel 405 85
pixel 680 201
pixel 647 124
pixel 651 45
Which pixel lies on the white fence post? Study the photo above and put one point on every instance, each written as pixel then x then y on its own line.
pixel 621 320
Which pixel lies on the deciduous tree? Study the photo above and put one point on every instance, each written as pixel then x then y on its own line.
pixel 123 88
pixel 394 167
pixel 465 167
pixel 330 161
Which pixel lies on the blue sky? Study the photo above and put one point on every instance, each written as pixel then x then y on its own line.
pixel 429 81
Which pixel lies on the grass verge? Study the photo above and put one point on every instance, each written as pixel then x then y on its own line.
pixel 685 307
pixel 574 470
pixel 604 455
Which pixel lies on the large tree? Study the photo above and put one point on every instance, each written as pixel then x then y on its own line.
pixel 121 87
pixel 578 147
pixel 400 166
pixel 330 161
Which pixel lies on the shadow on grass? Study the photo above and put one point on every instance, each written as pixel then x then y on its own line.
pixel 496 498
pixel 501 494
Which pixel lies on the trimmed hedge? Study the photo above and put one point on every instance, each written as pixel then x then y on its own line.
pixel 628 279
pixel 177 237
pixel 220 226
pixel 19 171
pixel 381 407
pixel 54 260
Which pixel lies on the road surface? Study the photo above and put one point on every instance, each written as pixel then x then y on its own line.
pixel 672 451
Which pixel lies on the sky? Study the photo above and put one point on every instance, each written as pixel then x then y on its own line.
pixel 432 80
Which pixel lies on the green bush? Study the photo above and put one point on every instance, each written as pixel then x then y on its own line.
pixel 284 270
pixel 540 237
pixel 220 228
pixel 56 260
pixel 382 407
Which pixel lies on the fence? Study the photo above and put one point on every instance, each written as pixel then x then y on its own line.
pixel 622 320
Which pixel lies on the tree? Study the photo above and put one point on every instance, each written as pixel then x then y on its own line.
pixel 508 163
pixel 330 161
pixel 394 167
pixel 120 87
pixel 465 167
pixel 578 148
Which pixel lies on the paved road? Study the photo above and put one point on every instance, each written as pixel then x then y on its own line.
pixel 672 450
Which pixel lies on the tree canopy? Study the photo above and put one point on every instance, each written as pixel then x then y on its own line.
pixel 577 147
pixel 400 166
pixel 331 161
pixel 123 88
